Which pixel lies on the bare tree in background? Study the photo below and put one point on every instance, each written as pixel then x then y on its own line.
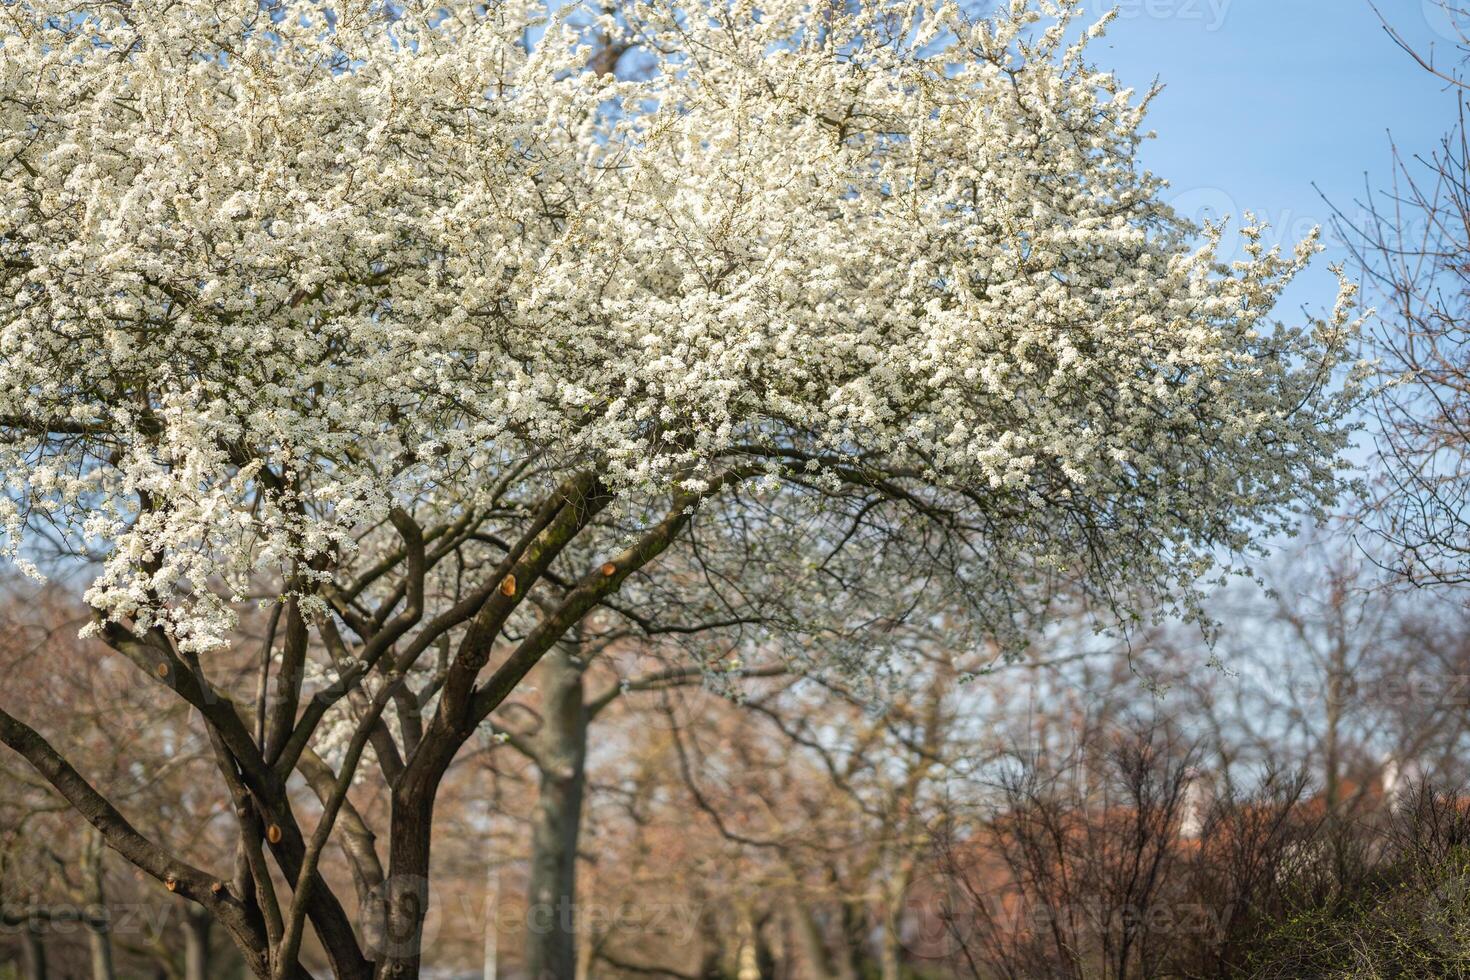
pixel 1412 241
pixel 63 899
pixel 1067 877
pixel 592 667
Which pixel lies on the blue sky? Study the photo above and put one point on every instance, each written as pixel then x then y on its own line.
pixel 1265 97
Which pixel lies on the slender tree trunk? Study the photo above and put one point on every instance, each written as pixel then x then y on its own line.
pixel 492 921
pixel 895 900
pixel 587 939
pixel 849 956
pixel 398 949
pixel 1331 750
pixel 752 957
pixel 890 951
pixel 747 962
pixel 1337 680
pixel 809 939
pixel 196 943
pixel 561 754
pixel 32 952
pixel 712 947
pixel 99 939
pixel 99 947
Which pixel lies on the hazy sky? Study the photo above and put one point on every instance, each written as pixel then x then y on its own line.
pixel 1265 97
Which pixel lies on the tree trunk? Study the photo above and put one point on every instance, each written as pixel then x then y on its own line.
pixel 405 896
pixel 561 755
pixel 848 961
pixel 32 952
pixel 397 947
pixel 895 900
pixel 888 959
pixel 491 967
pixel 196 943
pixel 809 939
pixel 712 947
pixel 747 959
pixel 587 938
pixel 99 946
pixel 753 960
pixel 99 940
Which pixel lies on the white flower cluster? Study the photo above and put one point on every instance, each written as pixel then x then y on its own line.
pixel 267 270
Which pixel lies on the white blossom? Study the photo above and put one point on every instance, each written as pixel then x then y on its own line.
pixel 266 277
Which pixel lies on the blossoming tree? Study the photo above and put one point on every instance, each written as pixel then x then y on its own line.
pixel 399 319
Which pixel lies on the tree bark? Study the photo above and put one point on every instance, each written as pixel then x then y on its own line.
pixel 404 896
pixel 561 755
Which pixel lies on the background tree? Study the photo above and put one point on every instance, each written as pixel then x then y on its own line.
pixel 586 673
pixel 825 789
pixel 1411 241
pixel 58 886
